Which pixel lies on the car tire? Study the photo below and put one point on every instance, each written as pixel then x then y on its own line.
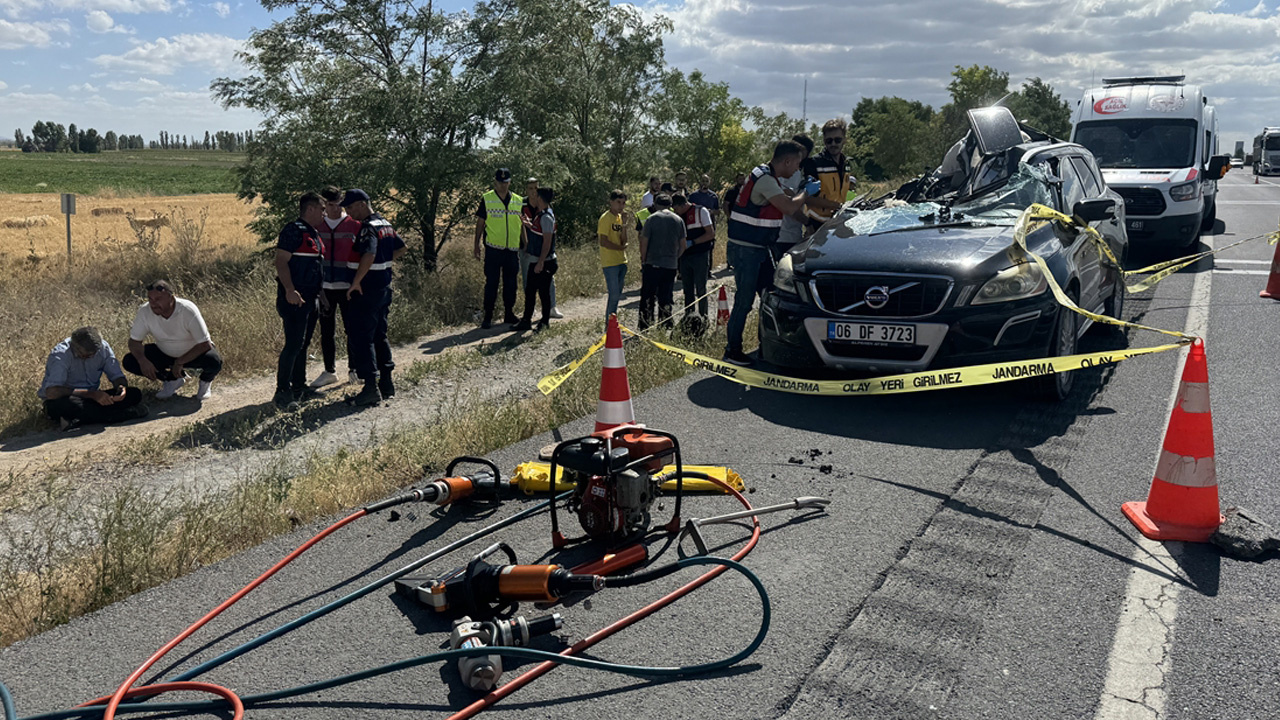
pixel 1210 217
pixel 1055 387
pixel 1114 306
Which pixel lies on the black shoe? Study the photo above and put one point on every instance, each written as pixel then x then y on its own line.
pixel 284 401
pixel 368 396
pixel 510 318
pixel 542 325
pixel 387 388
pixel 486 324
pixel 737 357
pixel 137 412
pixel 522 325
pixel 304 394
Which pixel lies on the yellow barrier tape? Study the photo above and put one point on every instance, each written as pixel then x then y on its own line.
pixel 534 477
pixel 552 381
pixel 909 382
pixel 1041 213
pixel 1161 270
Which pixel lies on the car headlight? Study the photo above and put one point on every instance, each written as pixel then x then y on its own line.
pixel 1015 283
pixel 784 277
pixel 1185 191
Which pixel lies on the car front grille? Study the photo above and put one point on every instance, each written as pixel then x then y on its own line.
pixel 908 295
pixel 903 353
pixel 1141 201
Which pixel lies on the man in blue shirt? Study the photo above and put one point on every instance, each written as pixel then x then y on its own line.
pixel 71 388
pixel 378 245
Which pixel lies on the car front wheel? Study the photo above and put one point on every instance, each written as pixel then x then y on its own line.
pixel 1057 386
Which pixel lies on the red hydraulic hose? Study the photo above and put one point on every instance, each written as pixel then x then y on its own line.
pixel 125 688
pixel 544 667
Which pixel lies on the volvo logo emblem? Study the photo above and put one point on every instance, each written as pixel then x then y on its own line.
pixel 877 296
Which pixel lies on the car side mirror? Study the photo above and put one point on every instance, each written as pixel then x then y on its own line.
pixel 1218 166
pixel 1094 210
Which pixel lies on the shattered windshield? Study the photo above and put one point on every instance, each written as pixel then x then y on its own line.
pixel 1001 206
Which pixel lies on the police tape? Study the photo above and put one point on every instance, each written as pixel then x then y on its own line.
pixel 550 382
pixel 969 376
pixel 1158 271
pixel 1040 213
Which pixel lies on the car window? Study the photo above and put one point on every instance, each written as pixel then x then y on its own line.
pixel 1072 188
pixel 1090 183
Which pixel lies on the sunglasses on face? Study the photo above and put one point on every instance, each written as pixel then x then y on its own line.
pixel 833 140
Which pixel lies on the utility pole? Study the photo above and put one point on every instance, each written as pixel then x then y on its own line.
pixel 804 108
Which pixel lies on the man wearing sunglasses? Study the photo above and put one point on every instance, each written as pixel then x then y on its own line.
pixel 828 167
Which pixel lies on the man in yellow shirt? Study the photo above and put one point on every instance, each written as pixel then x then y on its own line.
pixel 828 168
pixel 611 232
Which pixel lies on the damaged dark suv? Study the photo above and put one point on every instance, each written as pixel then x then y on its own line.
pixel 928 279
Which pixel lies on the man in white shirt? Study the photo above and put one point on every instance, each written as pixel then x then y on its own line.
pixel 181 341
pixel 655 186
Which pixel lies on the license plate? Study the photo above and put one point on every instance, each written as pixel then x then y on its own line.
pixel 876 333
pixel 1135 224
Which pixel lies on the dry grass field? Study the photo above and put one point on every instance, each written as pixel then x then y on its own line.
pixel 105 220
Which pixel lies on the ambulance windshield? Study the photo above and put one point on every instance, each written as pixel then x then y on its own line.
pixel 1148 143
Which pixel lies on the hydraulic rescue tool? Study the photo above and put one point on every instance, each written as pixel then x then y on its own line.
pixel 615 481
pixel 692 528
pixel 486 590
pixel 482 672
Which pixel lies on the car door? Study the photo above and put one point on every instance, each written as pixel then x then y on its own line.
pixel 1085 255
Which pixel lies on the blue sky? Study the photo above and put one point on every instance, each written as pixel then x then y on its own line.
pixel 142 66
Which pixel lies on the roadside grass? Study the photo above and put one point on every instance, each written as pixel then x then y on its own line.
pixel 55 570
pixel 232 282
pixel 123 173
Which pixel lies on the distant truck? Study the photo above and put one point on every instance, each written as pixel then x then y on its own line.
pixel 1266 152
pixel 1156 141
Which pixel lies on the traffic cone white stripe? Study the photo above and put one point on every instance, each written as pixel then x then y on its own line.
pixel 615 412
pixel 614 358
pixel 1193 397
pixel 1186 471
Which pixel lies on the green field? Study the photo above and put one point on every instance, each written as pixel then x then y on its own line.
pixel 126 172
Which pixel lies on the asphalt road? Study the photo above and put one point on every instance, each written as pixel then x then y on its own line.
pixel 974 562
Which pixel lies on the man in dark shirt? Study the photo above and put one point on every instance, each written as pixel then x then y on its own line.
pixel 370 296
pixel 661 244
pixel 695 262
pixel 707 199
pixel 299 276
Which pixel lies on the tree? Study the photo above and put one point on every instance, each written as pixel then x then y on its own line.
pixel 586 130
pixel 89 141
pixel 391 96
pixel 206 144
pixel 701 126
pixel 971 87
pixel 73 138
pixel 1038 105
pixel 110 141
pixel 18 138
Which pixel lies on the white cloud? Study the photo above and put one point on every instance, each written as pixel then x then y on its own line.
pixel 765 49
pixel 130 7
pixel 165 55
pixel 99 21
pixel 3 85
pixel 141 85
pixel 86 87
pixel 222 9
pixel 14 35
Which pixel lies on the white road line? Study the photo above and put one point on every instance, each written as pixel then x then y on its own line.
pixel 1242 261
pixel 1234 271
pixel 1248 202
pixel 1141 659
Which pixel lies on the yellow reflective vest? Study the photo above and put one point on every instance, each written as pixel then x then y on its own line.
pixel 502 222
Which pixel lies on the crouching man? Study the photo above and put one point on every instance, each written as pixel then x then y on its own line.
pixel 71 388
pixel 181 341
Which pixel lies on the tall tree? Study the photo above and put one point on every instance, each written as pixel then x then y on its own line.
pixel 386 95
pixel 73 138
pixel 110 141
pixel 700 124
pixel 971 87
pixel 1037 104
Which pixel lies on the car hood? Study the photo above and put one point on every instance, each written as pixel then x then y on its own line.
pixel 954 250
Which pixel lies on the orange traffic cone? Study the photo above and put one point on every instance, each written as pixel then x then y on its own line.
pixel 722 307
pixel 1273 282
pixel 615 390
pixel 1183 502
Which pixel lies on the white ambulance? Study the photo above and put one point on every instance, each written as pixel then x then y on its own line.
pixel 1156 141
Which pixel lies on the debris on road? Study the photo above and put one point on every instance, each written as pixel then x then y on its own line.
pixel 1242 535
